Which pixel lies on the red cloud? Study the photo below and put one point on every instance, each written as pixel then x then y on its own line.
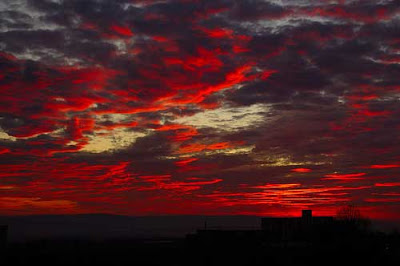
pixel 4 150
pixel 344 177
pixel 388 184
pixel 301 170
pixel 78 126
pixel 384 166
pixel 164 182
pixel 182 132
pixel 121 30
pixel 185 162
pixel 218 33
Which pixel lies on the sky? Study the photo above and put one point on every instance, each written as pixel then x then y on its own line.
pixel 214 107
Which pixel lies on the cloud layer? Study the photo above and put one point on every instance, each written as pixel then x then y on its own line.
pixel 199 107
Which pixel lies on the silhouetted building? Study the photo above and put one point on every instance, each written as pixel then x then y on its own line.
pixel 297 228
pixel 274 232
pixel 3 235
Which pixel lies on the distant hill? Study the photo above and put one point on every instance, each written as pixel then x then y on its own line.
pixel 102 226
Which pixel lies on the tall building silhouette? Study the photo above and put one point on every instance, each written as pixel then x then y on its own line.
pixel 3 235
pixel 296 228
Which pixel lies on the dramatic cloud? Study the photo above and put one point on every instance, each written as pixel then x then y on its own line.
pixel 199 107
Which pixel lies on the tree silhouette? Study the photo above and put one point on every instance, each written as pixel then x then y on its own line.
pixel 348 213
pixel 351 216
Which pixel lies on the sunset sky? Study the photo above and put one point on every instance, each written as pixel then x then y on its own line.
pixel 142 107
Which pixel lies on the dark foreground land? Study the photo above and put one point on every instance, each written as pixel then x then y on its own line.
pixel 379 249
pixel 119 240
